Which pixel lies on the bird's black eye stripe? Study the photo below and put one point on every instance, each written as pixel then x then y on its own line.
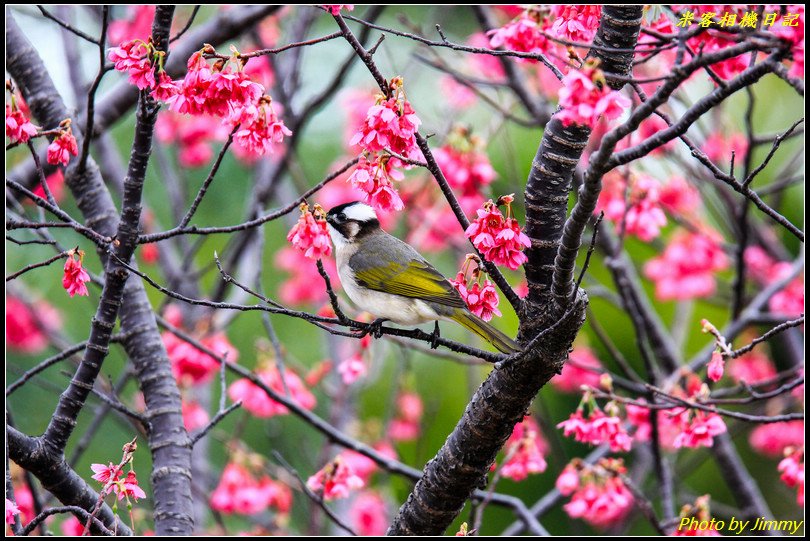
pixel 341 217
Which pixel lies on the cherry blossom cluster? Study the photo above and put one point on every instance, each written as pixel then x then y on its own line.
pixel 240 492
pixel 766 270
pixel 255 399
pixel 310 235
pixel 686 270
pixel 464 163
pixel 75 276
pixel 190 365
pixel 110 476
pixel 481 297
pixel 773 439
pixel 601 426
pixel 390 126
pixel 598 493
pixel 19 128
pixel 223 90
pixel 585 97
pixel 633 204
pixel 334 9
pixel 368 514
pixel 334 481
pixel 500 240
pixel 526 34
pixel 524 451
pixel 63 146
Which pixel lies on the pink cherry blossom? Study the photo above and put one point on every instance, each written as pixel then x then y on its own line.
pixel 363 466
pixel 164 87
pixel 103 474
pixel 524 451
pixel 499 239
pixel 310 235
pixel 26 325
pixel 577 23
pixel 792 469
pixel 523 35
pixel 670 422
pixel 719 146
pixel 568 480
pixel 458 96
pixel 60 150
pixel 334 9
pixel 261 129
pixel 191 98
pixel 486 65
pixel 298 288
pixel 686 270
pixel 335 480
pixel 134 58
pixel 257 402
pixel 192 366
pixel 128 488
pixel 598 494
pixel 352 369
pixel 368 514
pixel 391 124
pixel 763 268
pixel 716 366
pixel 19 128
pixel 71 527
pixel 240 492
pixel 137 25
pixel 75 276
pixel 194 415
pixel 193 136
pixel 374 178
pixel 56 183
pixel 678 197
pixel 700 430
pixel 406 425
pixel 597 429
pixel 467 170
pixel 636 209
pixel 773 438
pixel 11 511
pixel 583 102
pixel 648 127
pixel 582 368
pixel 230 91
pixel 481 300
pixel 751 368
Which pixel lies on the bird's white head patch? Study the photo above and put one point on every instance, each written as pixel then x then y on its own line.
pixel 360 212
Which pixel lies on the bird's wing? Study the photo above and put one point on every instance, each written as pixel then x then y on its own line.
pixel 408 275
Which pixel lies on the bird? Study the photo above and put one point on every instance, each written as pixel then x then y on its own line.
pixel 389 279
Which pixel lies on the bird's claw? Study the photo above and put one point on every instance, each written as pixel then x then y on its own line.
pixel 434 336
pixel 375 327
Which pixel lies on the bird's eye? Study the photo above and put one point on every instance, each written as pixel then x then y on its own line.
pixel 341 217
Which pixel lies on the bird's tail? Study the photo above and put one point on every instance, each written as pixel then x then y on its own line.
pixel 502 343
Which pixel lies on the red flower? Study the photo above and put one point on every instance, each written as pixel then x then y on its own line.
pixel 194 416
pixel 165 88
pixel 576 23
pixel 62 147
pixel 138 24
pixel 700 431
pixel 374 178
pixel 260 128
pixel 11 511
pixel 406 426
pixel 583 102
pixel 240 492
pixel 597 429
pixel 773 438
pixel 390 124
pixel 192 366
pixel 792 469
pixel 26 326
pixel 598 494
pixel 499 239
pixel 105 473
pixel 644 217
pixel 75 276
pixel 257 402
pixel 463 164
pixel 481 300
pixel 368 514
pixel 687 267
pixel 524 451
pixel 352 369
pixel 334 9
pixel 310 235
pixel 523 35
pixel 128 488
pixel 191 99
pixel 582 368
pixel 716 366
pixel 18 127
pixel 335 480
